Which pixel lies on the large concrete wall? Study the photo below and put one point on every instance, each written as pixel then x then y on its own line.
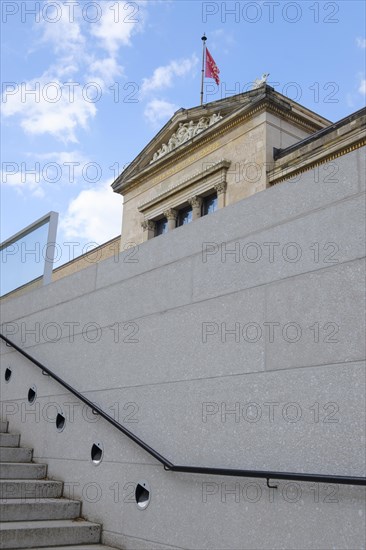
pixel 172 375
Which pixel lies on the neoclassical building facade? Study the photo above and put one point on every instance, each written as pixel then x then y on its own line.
pixel 209 157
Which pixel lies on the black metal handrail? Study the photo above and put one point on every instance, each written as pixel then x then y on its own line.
pixel 318 478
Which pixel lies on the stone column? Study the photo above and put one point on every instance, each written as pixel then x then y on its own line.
pixel 171 216
pixel 149 229
pixel 221 191
pixel 196 203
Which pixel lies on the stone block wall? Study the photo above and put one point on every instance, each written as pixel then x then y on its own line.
pixel 236 341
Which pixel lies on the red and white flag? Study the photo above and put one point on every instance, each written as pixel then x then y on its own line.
pixel 212 70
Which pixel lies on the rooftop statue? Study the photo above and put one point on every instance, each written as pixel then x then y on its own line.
pixel 259 81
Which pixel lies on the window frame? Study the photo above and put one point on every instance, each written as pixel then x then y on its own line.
pixel 182 212
pixel 159 223
pixel 205 200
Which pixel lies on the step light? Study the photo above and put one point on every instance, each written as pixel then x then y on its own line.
pixel 60 422
pixel 32 394
pixel 7 374
pixel 96 453
pixel 142 495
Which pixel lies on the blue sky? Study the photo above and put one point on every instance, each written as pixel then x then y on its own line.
pixel 107 76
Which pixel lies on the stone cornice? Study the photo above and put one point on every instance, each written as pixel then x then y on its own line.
pixel 213 170
pixel 340 141
pixel 313 164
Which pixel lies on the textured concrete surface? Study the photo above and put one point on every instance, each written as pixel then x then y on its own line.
pixel 31 488
pixel 34 534
pixel 19 509
pixel 7 454
pixel 13 470
pixel 4 426
pixel 80 547
pixel 9 440
pixel 225 363
pixel 30 515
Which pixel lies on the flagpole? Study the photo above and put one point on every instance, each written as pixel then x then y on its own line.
pixel 204 38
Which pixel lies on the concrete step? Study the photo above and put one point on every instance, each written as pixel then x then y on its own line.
pixel 4 426
pixel 15 454
pixel 31 509
pixel 82 547
pixel 39 534
pixel 30 488
pixel 20 470
pixel 9 440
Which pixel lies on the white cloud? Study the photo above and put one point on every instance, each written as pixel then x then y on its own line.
pixel 13 175
pixel 353 97
pixel 39 112
pixel 163 76
pixel 62 168
pixel 94 215
pixel 78 61
pixel 362 87
pixel 61 26
pixel 158 110
pixel 104 71
pixel 119 20
pixel 361 42
pixel 62 157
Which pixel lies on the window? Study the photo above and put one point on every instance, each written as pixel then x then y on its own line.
pixel 184 216
pixel 209 204
pixel 161 227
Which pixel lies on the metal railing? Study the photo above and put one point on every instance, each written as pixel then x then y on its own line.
pixel 265 474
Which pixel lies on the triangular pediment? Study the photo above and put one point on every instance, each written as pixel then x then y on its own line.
pixel 185 132
pixel 188 126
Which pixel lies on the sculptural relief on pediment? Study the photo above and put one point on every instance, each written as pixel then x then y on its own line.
pixel 185 132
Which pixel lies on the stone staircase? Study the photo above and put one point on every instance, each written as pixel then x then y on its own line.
pixel 33 513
